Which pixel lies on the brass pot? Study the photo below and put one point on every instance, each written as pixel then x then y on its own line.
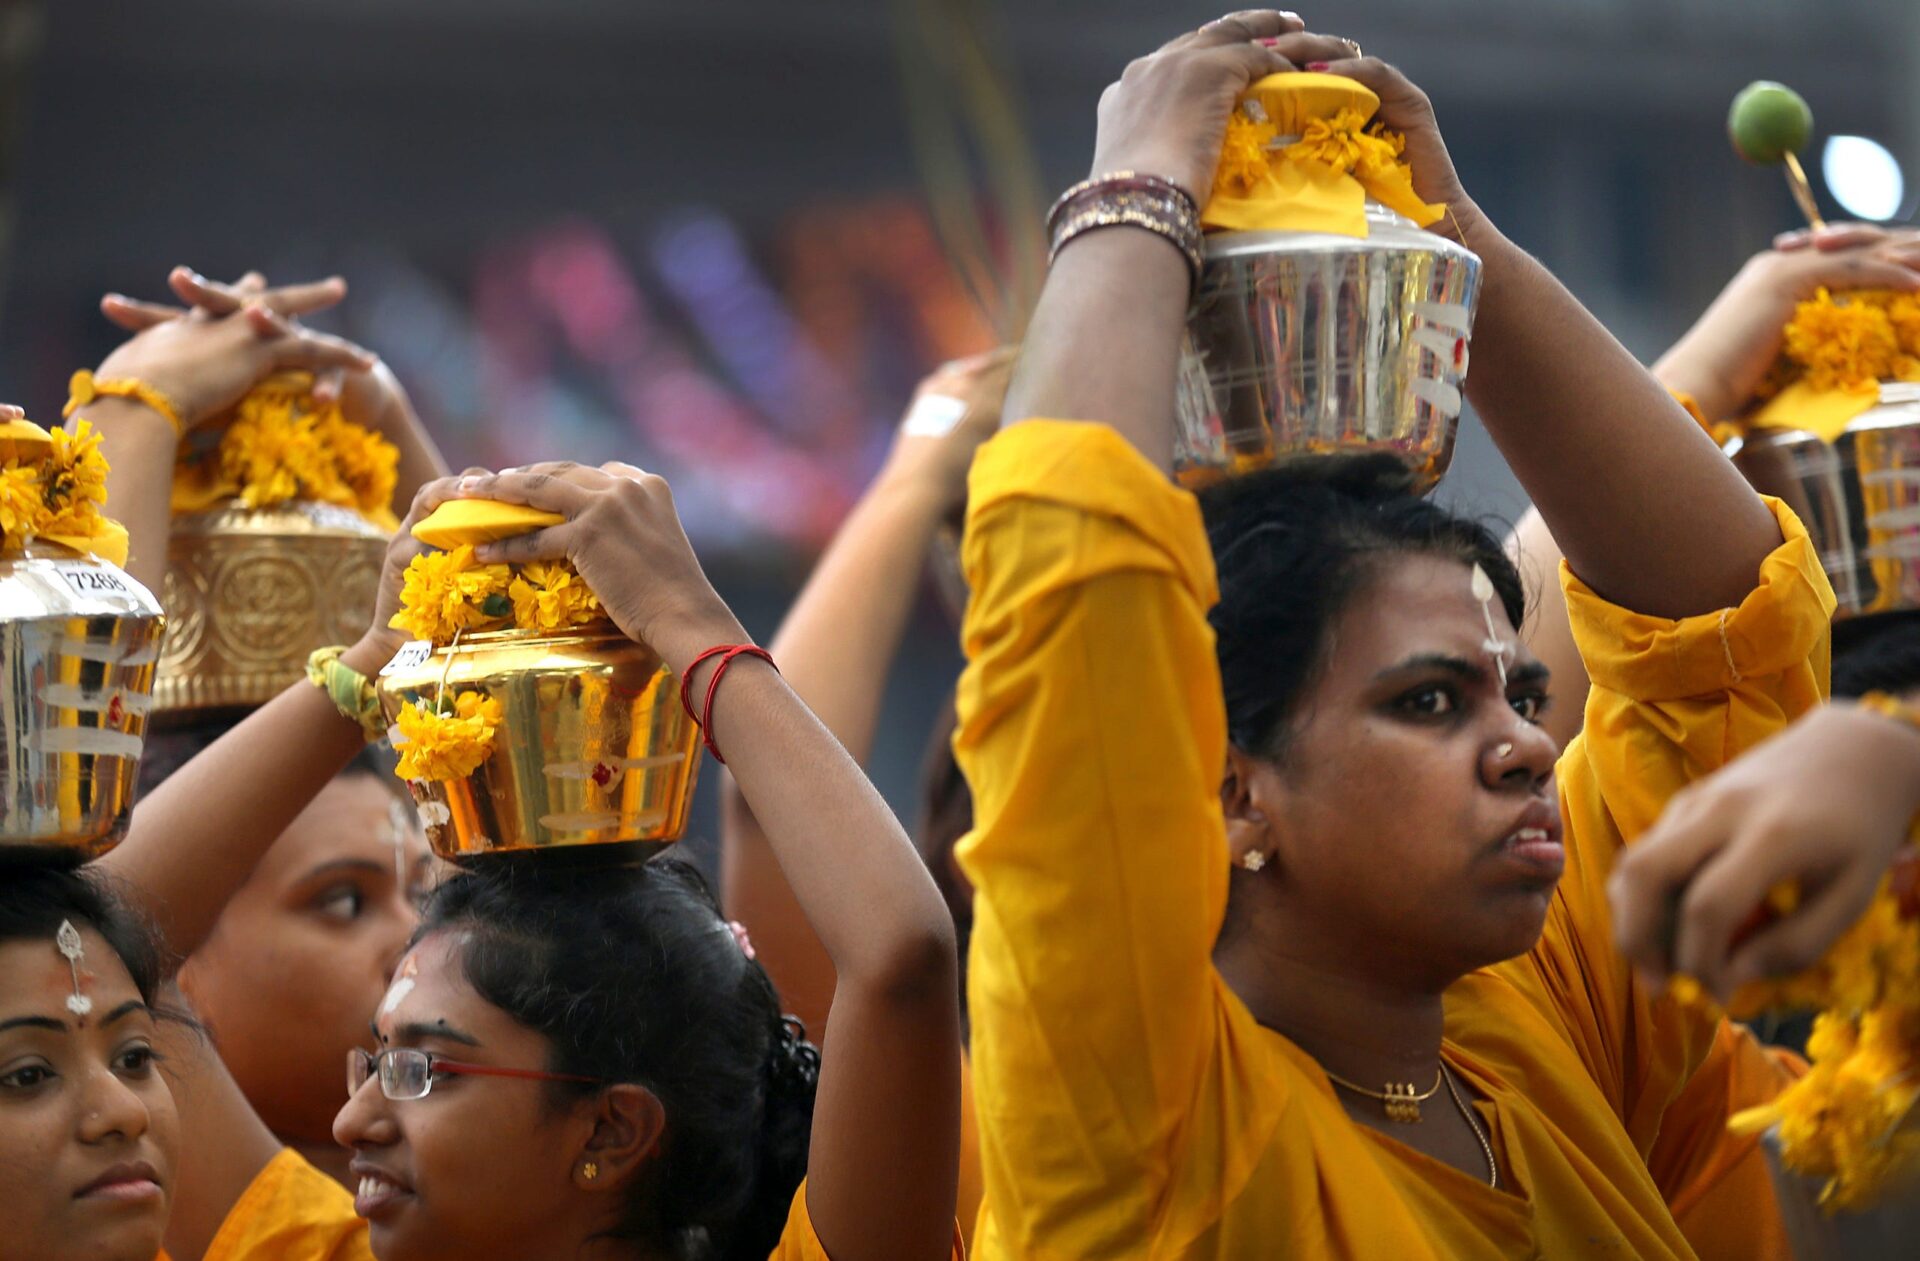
pixel 594 748
pixel 250 592
pixel 78 640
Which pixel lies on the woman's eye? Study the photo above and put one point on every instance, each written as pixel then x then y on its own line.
pixel 1531 706
pixel 26 1077
pixel 345 903
pixel 1434 701
pixel 136 1060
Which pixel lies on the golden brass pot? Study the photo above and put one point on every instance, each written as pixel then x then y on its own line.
pixel 594 748
pixel 78 639
pixel 250 592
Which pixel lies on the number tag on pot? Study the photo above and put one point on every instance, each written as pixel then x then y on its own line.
pixel 412 655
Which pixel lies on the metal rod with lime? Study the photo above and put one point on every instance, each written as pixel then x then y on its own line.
pixel 1769 125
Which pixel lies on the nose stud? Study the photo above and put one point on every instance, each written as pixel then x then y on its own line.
pixel 1505 750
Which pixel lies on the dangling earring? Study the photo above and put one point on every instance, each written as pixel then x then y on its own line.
pixel 1253 860
pixel 590 1171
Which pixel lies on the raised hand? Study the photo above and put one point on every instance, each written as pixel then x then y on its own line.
pixel 205 362
pixel 1826 804
pixel 1168 113
pixel 1724 357
pixel 954 410
pixel 624 538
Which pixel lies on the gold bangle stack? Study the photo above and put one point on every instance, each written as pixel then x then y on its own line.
pixel 351 692
pixel 1129 199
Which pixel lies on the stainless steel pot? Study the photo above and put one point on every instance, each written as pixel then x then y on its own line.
pixel 78 642
pixel 1312 343
pixel 1859 497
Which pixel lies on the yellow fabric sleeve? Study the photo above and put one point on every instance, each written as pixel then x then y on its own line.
pixel 1092 731
pixel 291 1212
pixel 1672 701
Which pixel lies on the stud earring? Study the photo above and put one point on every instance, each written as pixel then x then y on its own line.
pixel 1253 860
pixel 590 1171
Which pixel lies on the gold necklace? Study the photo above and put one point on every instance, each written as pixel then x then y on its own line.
pixel 1403 1106
pixel 1493 1166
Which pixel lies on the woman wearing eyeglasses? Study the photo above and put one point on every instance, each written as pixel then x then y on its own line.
pixel 588 1061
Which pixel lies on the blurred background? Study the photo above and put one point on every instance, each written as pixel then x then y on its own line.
pixel 723 241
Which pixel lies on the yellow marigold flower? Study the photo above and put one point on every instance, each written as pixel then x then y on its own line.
pixel 365 466
pixel 1244 160
pixel 21 501
pixel 1335 142
pixel 1845 345
pixel 447 746
pixel 1903 312
pixel 549 596
pixel 283 446
pixel 443 593
pixel 73 483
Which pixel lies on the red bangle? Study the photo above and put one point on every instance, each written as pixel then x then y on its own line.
pixel 726 653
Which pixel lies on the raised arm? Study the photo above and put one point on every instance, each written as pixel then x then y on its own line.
pixel 201 364
pixel 1619 471
pixel 886 1127
pixel 194 841
pixel 838 642
pixel 1719 363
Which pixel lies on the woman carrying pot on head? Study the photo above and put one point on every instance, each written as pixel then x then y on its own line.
pixel 298 926
pixel 652 1097
pixel 1288 936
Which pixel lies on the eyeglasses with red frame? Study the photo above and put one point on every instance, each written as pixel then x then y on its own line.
pixel 406 1073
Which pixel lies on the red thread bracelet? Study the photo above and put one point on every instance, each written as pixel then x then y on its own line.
pixel 726 653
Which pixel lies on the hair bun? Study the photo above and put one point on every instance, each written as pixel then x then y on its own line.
pixel 793 1063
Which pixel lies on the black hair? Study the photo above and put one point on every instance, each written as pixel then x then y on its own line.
pixel 946 815
pixel 633 976
pixel 35 898
pixel 175 741
pixel 1877 653
pixel 1291 546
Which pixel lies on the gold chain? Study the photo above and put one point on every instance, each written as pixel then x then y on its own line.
pixel 1493 1166
pixel 1403 1106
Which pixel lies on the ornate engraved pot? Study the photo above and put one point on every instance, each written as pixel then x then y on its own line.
pixel 250 592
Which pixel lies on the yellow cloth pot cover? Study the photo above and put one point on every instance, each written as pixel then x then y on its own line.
pixel 476 521
pixel 1823 412
pixel 1320 181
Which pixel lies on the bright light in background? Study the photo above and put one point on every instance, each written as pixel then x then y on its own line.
pixel 1863 177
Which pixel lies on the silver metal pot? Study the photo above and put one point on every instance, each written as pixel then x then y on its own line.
pixel 78 643
pixel 1312 343
pixel 1859 497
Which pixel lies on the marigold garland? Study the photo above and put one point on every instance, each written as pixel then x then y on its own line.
pixel 283 445
pixel 59 494
pixel 449 742
pixel 444 593
pixel 549 596
pixel 1244 157
pixel 1849 342
pixel 1846 1123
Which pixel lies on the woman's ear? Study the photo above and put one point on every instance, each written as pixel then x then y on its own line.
pixel 628 1125
pixel 1250 840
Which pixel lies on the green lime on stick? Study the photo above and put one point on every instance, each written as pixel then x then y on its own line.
pixel 1768 121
